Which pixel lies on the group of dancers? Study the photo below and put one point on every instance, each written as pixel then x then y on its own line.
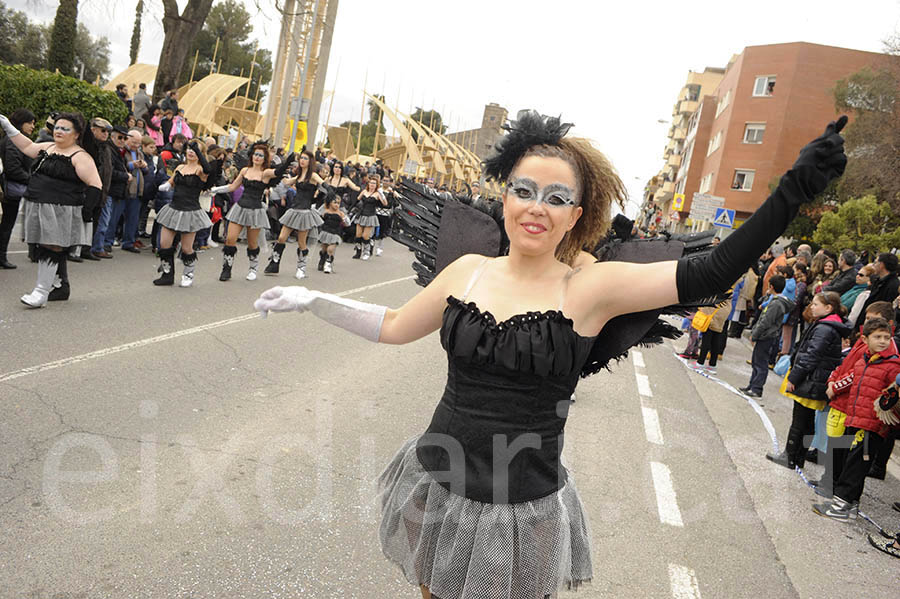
pixel 65 189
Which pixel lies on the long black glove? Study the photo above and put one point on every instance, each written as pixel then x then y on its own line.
pixel 819 162
pixel 92 197
pixel 282 168
pixel 204 164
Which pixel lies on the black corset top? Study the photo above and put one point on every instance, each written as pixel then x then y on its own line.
pixel 54 181
pixel 496 435
pixel 186 195
pixel 253 194
pixel 304 196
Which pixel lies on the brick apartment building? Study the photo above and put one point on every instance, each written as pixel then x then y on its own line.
pixel 770 102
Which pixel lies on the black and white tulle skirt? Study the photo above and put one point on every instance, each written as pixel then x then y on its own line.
pixel 253 218
pixel 54 224
pixel 329 238
pixel 183 221
pixel 301 220
pixel 464 549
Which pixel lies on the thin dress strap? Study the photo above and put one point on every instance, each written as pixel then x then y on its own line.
pixel 475 275
pixel 562 294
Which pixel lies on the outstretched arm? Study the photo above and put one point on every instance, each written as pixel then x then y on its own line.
pixel 231 186
pixel 25 145
pixel 418 317
pixel 661 284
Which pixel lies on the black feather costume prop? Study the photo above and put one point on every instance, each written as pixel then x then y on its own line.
pixel 528 130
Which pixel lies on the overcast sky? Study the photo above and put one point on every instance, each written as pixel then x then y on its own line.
pixel 612 68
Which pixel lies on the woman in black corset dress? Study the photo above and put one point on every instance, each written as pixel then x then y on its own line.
pixel 63 190
pixel 480 505
pixel 369 200
pixel 330 233
pixel 249 211
pixel 183 215
pixel 300 217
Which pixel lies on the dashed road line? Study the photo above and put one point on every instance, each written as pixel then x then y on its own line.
pixel 651 425
pixel 683 582
pixel 643 384
pixel 666 501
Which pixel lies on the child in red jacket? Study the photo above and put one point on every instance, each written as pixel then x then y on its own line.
pixel 838 392
pixel 872 373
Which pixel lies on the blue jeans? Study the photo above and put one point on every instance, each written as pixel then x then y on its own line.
pixel 102 225
pixel 760 361
pixel 131 209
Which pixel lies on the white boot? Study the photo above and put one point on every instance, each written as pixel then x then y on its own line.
pixel 367 250
pixel 253 257
pixel 379 247
pixel 45 276
pixel 187 277
pixel 327 268
pixel 301 263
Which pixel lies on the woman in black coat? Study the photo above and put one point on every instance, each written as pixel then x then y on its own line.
pixel 16 171
pixel 814 357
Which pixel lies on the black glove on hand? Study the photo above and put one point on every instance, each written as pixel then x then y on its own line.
pixel 201 158
pixel 282 168
pixel 822 159
pixel 92 197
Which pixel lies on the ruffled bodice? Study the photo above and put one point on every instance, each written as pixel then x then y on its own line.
pixel 252 198
pixel 505 404
pixel 55 181
pixel 186 195
pixel 304 196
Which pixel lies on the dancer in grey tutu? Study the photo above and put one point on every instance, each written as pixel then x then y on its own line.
pixel 480 505
pixel 62 193
pixel 183 214
pixel 249 211
pixel 330 233
pixel 300 217
pixel 369 199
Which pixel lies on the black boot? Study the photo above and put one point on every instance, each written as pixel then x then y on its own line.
pixel 323 256
pixel 166 267
pixel 359 242
pixel 795 450
pixel 60 291
pixel 228 261
pixel 4 245
pixel 275 260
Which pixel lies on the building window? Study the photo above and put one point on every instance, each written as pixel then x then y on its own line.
pixel 493 118
pixel 693 92
pixel 764 85
pixel 706 183
pixel 743 180
pixel 714 143
pixel 753 133
pixel 723 103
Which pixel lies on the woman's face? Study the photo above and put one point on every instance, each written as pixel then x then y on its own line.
pixel 259 157
pixel 338 171
pixel 828 268
pixel 191 155
pixel 863 277
pixel 27 128
pixel 130 121
pixel 819 308
pixel 540 204
pixel 371 185
pixel 799 276
pixel 304 161
pixel 64 133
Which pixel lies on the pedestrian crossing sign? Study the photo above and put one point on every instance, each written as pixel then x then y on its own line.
pixel 724 218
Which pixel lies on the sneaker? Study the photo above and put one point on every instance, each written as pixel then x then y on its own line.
pixel 116 243
pixel 212 243
pixel 752 393
pixel 710 370
pixel 823 490
pixel 139 245
pixel 685 356
pixel 837 509
pixel 781 459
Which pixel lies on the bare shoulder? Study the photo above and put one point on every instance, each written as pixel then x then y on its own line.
pixel 457 274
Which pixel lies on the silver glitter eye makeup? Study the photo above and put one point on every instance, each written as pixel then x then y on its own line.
pixel 555 195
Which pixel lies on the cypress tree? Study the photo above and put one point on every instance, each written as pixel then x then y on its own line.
pixel 136 34
pixel 61 54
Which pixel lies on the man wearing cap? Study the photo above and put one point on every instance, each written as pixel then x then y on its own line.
pixel 100 127
pixel 141 102
pixel 118 186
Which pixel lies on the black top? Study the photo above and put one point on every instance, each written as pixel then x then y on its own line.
pixel 304 196
pixel 16 165
pixel 509 385
pixel 54 181
pixel 369 203
pixel 332 223
pixel 186 195
pixel 252 197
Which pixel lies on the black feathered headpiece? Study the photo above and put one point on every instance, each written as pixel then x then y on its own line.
pixel 528 130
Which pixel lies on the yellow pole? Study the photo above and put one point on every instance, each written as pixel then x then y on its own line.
pixel 362 112
pixel 215 53
pixel 196 56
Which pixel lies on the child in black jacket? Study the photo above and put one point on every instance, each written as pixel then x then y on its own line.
pixel 765 335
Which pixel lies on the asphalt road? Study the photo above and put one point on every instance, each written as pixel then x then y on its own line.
pixel 166 442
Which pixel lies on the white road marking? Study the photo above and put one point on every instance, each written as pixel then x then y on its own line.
pixel 101 353
pixel 651 426
pixel 638 358
pixel 666 501
pixel 643 384
pixel 683 582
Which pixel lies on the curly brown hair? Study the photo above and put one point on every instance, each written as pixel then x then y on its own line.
pixel 599 186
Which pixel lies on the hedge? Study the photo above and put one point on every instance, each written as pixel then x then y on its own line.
pixel 43 92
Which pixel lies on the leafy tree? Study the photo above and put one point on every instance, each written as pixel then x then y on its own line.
pixel 136 32
pixel 804 224
pixel 430 118
pixel 179 29
pixel 860 224
pixel 62 38
pixel 872 95
pixel 230 23
pixel 92 54
pixel 367 142
pixel 21 41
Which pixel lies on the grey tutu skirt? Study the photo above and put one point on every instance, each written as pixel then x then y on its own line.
pixel 329 238
pixel 53 224
pixel 301 220
pixel 369 221
pixel 464 549
pixel 254 218
pixel 183 221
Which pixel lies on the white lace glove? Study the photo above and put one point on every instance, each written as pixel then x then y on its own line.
pixel 10 129
pixel 165 186
pixel 357 317
pixel 218 189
